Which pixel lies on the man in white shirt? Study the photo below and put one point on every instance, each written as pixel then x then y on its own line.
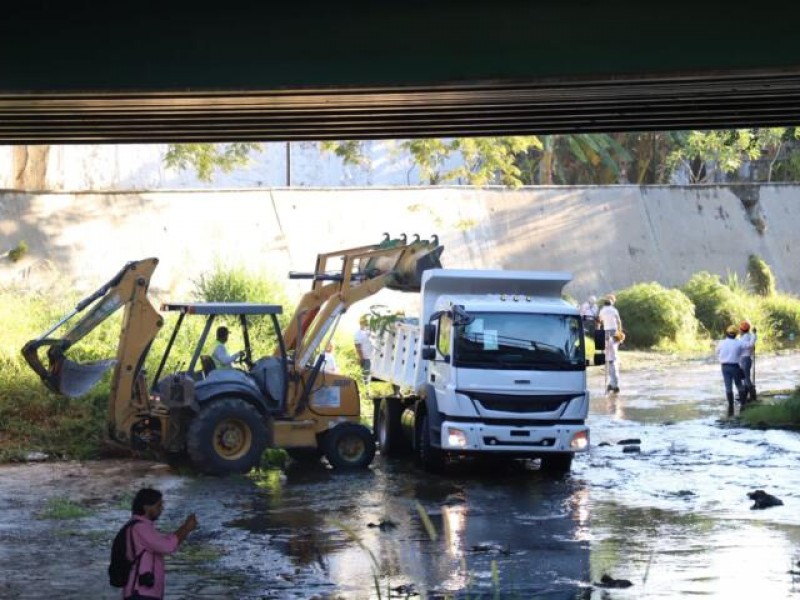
pixel 609 317
pixel 612 360
pixel 729 352
pixel 223 360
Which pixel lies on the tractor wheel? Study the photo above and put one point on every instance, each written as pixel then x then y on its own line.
pixel 388 430
pixel 227 436
pixel 557 464
pixel 429 458
pixel 349 446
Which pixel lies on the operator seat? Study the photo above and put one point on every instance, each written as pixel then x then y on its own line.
pixel 207 363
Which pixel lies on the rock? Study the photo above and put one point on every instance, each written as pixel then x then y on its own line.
pixel 606 581
pixel 385 525
pixel 631 450
pixel 762 499
pixel 36 457
pixel 629 442
pixel 601 444
pixel 405 590
pixel 684 493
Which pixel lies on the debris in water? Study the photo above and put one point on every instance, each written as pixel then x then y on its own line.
pixel 606 581
pixel 762 499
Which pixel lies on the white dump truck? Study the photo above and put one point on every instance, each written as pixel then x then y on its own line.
pixel 495 365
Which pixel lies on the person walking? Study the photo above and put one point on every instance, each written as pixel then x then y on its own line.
pixel 146 546
pixel 363 344
pixel 609 318
pixel 747 337
pixel 729 353
pixel 612 360
pixel 588 311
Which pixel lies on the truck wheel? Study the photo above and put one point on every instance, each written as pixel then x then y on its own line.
pixel 557 464
pixel 428 457
pixel 349 446
pixel 227 436
pixel 388 430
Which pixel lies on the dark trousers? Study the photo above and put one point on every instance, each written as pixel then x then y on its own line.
pixel 732 374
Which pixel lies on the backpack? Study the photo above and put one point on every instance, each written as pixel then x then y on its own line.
pixel 119 569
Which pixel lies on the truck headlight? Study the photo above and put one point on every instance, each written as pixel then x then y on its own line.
pixel 456 438
pixel 579 441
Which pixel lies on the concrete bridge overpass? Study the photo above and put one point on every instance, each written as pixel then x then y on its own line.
pixel 180 71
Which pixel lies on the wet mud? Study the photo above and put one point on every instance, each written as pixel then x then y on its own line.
pixel 672 518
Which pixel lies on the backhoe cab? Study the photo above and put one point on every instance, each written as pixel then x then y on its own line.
pixel 277 396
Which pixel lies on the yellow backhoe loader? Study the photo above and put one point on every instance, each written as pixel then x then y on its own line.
pixel 224 418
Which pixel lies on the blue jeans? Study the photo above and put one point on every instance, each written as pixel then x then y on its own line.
pixel 732 374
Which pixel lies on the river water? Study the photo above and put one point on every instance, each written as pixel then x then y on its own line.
pixel 673 518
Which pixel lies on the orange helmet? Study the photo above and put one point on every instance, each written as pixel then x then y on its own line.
pixel 619 336
pixel 744 326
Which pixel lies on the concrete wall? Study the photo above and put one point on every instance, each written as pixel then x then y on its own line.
pixel 608 237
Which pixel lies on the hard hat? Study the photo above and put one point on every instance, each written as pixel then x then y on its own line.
pixel 732 330
pixel 611 297
pixel 619 336
pixel 592 299
pixel 744 325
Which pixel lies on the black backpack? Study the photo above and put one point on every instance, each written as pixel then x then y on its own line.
pixel 119 569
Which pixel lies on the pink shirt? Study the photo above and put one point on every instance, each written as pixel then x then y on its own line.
pixel 155 544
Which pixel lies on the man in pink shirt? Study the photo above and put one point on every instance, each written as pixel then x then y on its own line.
pixel 146 579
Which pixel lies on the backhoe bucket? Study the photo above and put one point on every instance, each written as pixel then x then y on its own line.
pixel 60 374
pixel 77 379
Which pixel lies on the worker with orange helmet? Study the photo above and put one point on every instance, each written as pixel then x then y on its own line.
pixel 729 352
pixel 747 337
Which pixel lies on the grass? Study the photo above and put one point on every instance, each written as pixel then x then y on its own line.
pixel 774 412
pixel 63 509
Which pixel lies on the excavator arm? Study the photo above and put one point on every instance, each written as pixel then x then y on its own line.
pixel 140 324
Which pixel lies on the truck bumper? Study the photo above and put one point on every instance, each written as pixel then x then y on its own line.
pixel 528 440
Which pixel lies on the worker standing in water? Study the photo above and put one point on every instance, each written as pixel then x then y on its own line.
pixel 729 353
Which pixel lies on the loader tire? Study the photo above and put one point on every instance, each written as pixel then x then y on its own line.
pixel 388 430
pixel 349 446
pixel 227 436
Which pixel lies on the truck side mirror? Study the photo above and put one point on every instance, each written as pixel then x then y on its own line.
pixel 429 335
pixel 428 352
pixel 599 340
pixel 599 359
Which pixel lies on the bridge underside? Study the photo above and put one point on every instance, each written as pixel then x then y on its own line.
pixel 173 71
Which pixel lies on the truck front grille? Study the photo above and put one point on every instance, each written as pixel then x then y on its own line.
pixel 520 404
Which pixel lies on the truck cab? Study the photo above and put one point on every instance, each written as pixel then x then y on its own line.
pixel 499 368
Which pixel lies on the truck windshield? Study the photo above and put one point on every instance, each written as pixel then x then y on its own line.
pixel 520 341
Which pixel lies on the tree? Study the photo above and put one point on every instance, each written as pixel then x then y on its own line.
pixel 206 158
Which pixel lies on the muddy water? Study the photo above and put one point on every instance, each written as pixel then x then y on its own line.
pixel 673 518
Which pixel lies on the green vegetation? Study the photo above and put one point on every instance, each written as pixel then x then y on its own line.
pixel 18 252
pixel 774 412
pixel 716 305
pixel 63 509
pixel 654 316
pixel 761 276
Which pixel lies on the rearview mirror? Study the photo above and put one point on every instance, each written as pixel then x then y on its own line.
pixel 429 335
pixel 428 353
pixel 599 339
pixel 599 359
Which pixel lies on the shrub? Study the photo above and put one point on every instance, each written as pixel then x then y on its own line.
pixel 654 315
pixel 235 284
pixel 715 304
pixel 761 277
pixel 782 317
pixel 19 251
